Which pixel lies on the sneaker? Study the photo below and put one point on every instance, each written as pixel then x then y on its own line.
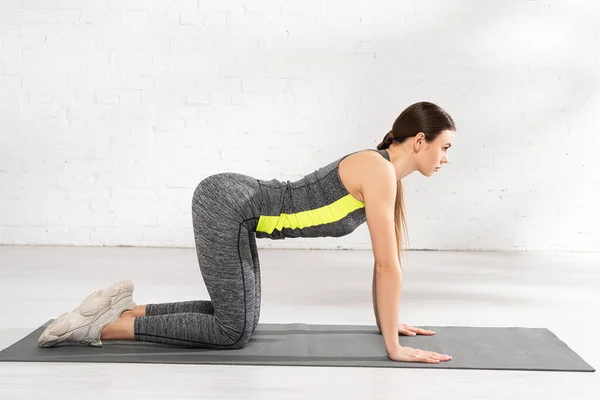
pixel 82 325
pixel 120 295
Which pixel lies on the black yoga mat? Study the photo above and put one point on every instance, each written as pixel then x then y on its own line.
pixel 298 344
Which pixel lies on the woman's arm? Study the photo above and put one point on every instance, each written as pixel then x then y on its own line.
pixel 379 192
pixel 389 284
pixel 374 290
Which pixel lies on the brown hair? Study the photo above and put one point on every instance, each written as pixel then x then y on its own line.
pixel 420 117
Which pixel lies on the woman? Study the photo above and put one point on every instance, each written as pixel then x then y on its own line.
pixel 231 210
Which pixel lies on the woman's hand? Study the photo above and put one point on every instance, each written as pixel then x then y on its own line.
pixel 408 330
pixel 409 354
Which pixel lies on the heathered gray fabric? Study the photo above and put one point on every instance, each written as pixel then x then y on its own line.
pixel 315 190
pixel 226 208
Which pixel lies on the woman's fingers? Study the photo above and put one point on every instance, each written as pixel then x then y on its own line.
pixel 428 359
pixel 439 356
pixel 406 332
pixel 419 355
pixel 419 330
pixel 432 355
pixel 424 331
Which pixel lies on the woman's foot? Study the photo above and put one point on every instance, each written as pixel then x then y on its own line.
pixel 120 295
pixel 82 325
pixel 121 329
pixel 139 311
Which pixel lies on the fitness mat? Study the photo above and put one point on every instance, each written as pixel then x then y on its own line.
pixel 300 344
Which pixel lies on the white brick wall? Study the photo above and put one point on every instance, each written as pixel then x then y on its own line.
pixel 112 111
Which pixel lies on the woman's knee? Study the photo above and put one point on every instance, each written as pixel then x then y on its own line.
pixel 241 341
pixel 239 337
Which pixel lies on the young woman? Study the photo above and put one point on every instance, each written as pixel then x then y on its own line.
pixel 231 210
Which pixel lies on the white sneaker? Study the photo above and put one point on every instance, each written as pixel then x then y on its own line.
pixel 120 294
pixel 83 325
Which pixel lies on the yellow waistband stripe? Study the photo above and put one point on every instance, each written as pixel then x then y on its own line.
pixel 319 216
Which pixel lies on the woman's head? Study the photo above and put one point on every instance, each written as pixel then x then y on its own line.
pixel 427 132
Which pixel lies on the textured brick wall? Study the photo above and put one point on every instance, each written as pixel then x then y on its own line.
pixel 112 111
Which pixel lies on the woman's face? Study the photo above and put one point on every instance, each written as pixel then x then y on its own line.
pixel 434 155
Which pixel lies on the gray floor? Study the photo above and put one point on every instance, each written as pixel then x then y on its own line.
pixel 556 291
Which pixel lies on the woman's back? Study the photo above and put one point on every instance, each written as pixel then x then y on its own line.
pixel 317 205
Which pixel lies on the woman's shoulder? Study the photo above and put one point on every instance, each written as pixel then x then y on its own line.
pixel 362 166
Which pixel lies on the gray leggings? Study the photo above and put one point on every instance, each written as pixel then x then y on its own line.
pixel 225 212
